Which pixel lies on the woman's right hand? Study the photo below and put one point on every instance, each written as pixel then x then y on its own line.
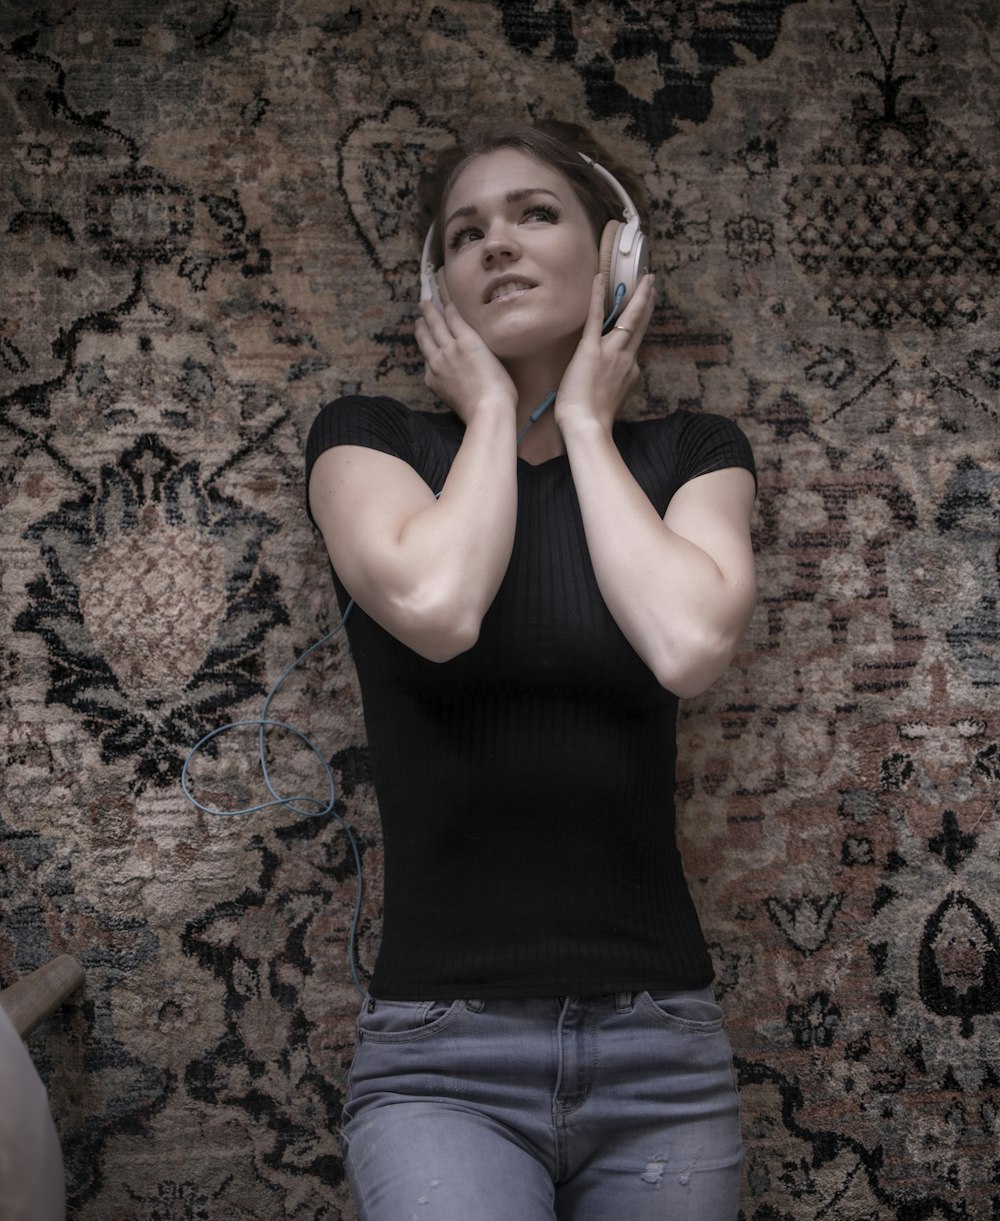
pixel 460 368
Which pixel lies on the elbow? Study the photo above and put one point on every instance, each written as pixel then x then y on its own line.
pixel 437 629
pixel 689 662
pixel 690 669
pixel 445 644
pixel 688 683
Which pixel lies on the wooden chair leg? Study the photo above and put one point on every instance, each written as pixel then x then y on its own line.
pixel 30 1000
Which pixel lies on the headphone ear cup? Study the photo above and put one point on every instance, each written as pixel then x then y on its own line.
pixel 623 260
pixel 442 287
pixel 606 260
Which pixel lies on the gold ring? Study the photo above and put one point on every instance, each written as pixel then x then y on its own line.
pixel 616 327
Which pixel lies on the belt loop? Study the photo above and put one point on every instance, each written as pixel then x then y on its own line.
pixel 624 1001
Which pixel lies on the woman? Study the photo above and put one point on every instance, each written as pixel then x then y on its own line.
pixel 541 1039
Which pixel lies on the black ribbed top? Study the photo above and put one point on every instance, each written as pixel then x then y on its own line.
pixel 526 787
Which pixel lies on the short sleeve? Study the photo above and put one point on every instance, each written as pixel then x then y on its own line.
pixel 709 442
pixel 375 423
pixel 426 441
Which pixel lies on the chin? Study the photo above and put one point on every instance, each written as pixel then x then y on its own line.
pixel 524 338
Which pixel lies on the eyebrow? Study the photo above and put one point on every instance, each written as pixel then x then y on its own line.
pixel 511 197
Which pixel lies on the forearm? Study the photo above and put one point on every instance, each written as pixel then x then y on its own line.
pixel 681 612
pixel 451 556
pixel 425 566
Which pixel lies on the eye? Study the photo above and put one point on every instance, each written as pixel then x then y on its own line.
pixel 463 235
pixel 544 212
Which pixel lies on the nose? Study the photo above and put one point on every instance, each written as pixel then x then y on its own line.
pixel 499 245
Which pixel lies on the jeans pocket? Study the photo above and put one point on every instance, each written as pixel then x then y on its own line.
pixel 691 1011
pixel 382 1021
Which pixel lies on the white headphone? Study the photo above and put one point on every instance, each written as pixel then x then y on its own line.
pixel 623 254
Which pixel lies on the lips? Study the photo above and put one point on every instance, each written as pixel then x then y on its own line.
pixel 503 290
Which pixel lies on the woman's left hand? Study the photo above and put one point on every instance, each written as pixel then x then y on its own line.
pixel 604 370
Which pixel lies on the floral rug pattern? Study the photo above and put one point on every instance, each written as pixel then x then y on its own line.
pixel 205 232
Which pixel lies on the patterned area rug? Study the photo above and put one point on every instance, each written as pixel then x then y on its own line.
pixel 205 232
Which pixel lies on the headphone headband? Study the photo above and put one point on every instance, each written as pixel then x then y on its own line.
pixel 629 210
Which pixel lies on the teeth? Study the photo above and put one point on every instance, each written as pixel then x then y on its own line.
pixel 507 290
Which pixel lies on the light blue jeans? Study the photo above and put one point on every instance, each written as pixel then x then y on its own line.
pixel 602 1108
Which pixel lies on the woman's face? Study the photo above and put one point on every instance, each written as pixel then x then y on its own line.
pixel 520 255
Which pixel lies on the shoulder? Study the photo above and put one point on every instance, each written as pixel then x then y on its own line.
pixel 687 443
pixel 378 422
pixel 358 419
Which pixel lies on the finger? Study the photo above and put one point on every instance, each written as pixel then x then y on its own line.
pixel 436 322
pixel 460 329
pixel 634 320
pixel 426 342
pixel 595 313
pixel 644 308
pixel 639 303
pixel 626 333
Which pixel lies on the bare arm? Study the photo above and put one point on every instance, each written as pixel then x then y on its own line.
pixel 681 588
pixel 427 568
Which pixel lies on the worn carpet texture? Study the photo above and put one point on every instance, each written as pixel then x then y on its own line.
pixel 206 232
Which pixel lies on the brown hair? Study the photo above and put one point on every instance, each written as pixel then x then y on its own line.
pixel 550 141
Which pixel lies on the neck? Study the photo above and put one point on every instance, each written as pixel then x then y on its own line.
pixel 541 440
pixel 536 378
